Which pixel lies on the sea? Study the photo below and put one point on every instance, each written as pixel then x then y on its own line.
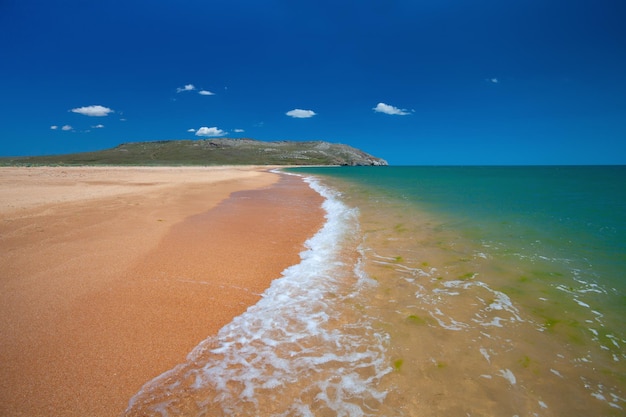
pixel 431 291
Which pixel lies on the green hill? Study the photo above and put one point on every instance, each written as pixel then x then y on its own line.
pixel 210 152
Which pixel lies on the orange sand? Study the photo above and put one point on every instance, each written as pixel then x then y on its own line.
pixel 110 276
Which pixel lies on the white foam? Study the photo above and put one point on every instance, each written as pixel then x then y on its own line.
pixel 452 323
pixel 488 314
pixel 495 322
pixel 599 396
pixel 485 354
pixel 613 340
pixel 293 340
pixel 580 303
pixel 508 375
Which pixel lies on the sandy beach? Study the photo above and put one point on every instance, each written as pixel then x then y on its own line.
pixel 110 276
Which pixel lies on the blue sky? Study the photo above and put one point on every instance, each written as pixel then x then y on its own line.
pixel 414 82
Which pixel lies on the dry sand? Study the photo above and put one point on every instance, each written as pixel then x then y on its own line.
pixel 110 276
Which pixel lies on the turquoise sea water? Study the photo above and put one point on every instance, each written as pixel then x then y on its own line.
pixel 578 213
pixel 432 291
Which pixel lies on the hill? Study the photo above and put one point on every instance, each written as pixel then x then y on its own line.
pixel 211 152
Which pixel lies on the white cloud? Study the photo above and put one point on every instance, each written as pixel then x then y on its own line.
pixel 97 111
pixel 100 126
pixel 301 114
pixel 239 130
pixel 388 109
pixel 205 93
pixel 67 127
pixel 494 80
pixel 54 127
pixel 210 131
pixel 188 87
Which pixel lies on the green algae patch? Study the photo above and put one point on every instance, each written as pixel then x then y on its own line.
pixel 525 361
pixel 467 276
pixel 415 319
pixel 550 322
pixel 400 228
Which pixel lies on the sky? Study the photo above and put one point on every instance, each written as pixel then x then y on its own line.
pixel 416 82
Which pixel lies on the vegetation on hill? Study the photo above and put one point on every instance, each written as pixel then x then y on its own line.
pixel 210 152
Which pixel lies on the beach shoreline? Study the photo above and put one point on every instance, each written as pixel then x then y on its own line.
pixel 112 275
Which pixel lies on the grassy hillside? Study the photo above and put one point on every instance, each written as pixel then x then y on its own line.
pixel 210 152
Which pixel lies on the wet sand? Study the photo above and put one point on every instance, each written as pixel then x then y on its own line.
pixel 110 276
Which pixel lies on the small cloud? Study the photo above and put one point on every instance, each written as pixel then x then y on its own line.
pixel 494 80
pixel 67 127
pixel 206 93
pixel 300 114
pixel 98 126
pixel 188 87
pixel 191 130
pixel 388 109
pixel 54 127
pixel 210 131
pixel 94 111
pixel 239 130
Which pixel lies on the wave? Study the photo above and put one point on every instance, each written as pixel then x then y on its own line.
pixel 307 347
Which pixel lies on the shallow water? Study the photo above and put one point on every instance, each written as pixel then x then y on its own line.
pixel 304 349
pixel 431 291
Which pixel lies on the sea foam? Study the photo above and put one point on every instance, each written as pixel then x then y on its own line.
pixel 295 352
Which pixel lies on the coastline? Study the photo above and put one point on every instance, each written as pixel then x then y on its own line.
pixel 112 275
